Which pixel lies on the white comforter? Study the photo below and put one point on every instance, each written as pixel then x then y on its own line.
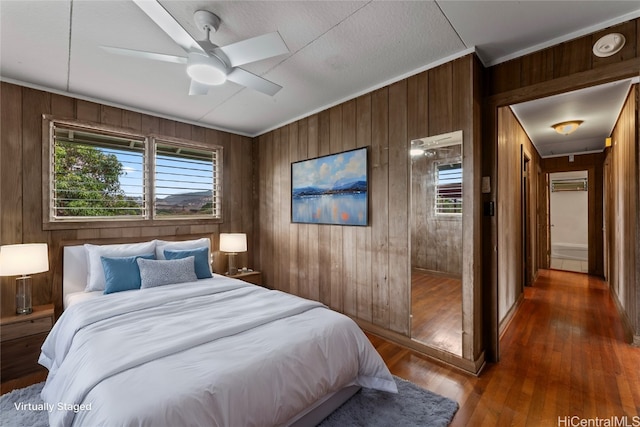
pixel 216 352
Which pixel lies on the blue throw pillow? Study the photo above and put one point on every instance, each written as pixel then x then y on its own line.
pixel 122 273
pixel 203 270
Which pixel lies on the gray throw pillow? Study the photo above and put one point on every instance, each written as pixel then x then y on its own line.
pixel 166 272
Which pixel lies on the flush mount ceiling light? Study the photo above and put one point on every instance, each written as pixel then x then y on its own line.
pixel 608 45
pixel 565 128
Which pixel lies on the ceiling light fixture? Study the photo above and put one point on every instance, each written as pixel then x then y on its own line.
pixel 608 45
pixel 565 128
pixel 208 70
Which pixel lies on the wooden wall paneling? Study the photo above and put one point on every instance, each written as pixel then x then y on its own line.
pixel 505 76
pixel 267 246
pixel 304 261
pixel 234 184
pixel 440 99
pixel 628 51
pixel 473 346
pixel 572 57
pixel 399 268
pixel 276 252
pixel 10 181
pixel 313 254
pixel 380 206
pixel 34 104
pixel 364 267
pixel 537 67
pixel 168 127
pixel 112 116
pixel 292 268
pixel 130 119
pixel 63 106
pixel 636 339
pixel 324 231
pixel 88 111
pixel 509 212
pixel 151 124
pixel 247 202
pixel 284 215
pixel 183 130
pixel 294 255
pixel 335 231
pixel 349 239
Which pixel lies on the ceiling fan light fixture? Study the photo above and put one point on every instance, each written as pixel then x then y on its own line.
pixel 565 128
pixel 207 70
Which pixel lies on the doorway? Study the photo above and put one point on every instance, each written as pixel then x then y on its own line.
pixel 568 194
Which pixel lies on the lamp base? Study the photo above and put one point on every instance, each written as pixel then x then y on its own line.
pixel 232 270
pixel 23 295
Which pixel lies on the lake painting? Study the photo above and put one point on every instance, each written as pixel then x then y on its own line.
pixel 331 189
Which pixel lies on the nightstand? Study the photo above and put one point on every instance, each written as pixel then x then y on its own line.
pixel 21 337
pixel 254 277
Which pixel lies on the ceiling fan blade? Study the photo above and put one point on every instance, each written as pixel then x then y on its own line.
pixel 168 24
pixel 196 88
pixel 255 49
pixel 145 55
pixel 250 80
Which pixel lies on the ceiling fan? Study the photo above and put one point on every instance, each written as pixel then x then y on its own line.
pixel 208 64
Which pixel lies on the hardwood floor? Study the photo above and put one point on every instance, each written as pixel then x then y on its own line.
pixel 436 308
pixel 562 355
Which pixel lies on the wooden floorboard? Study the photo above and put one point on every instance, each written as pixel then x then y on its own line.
pixel 562 355
pixel 436 310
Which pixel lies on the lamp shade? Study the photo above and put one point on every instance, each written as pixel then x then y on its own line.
pixel 233 242
pixel 21 259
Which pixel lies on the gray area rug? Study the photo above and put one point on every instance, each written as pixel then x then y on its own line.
pixel 412 406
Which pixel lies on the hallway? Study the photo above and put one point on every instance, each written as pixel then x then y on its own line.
pixel 562 355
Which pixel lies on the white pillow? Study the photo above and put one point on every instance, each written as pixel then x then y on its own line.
pixel 161 245
pixel 95 275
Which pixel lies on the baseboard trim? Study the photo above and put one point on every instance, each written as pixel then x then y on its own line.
pixel 440 356
pixel 509 316
pixel 627 326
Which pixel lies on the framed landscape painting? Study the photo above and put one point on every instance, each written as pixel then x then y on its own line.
pixel 332 189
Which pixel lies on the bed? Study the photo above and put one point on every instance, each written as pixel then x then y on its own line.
pixel 212 351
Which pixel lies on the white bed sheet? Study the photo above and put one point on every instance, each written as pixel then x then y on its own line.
pixel 76 297
pixel 216 352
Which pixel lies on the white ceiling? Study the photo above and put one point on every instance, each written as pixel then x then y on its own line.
pixel 598 107
pixel 338 49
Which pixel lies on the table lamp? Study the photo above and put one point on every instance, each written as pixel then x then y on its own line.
pixel 22 260
pixel 232 243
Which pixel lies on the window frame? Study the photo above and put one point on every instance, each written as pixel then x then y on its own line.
pixel 218 174
pixel 50 223
pixel 436 197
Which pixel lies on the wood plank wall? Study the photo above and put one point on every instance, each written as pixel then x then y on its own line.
pixel 364 271
pixel 623 211
pixel 21 182
pixel 561 68
pixel 436 240
pixel 565 60
pixel 513 144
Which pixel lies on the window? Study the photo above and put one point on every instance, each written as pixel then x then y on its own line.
pixel 186 181
pixel 97 173
pixel 448 188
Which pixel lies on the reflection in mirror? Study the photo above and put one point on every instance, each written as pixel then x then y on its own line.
pixel 436 241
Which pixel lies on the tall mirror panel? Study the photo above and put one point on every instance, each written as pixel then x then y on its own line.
pixel 436 241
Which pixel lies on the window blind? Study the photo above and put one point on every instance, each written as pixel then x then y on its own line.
pixel 97 174
pixel 448 188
